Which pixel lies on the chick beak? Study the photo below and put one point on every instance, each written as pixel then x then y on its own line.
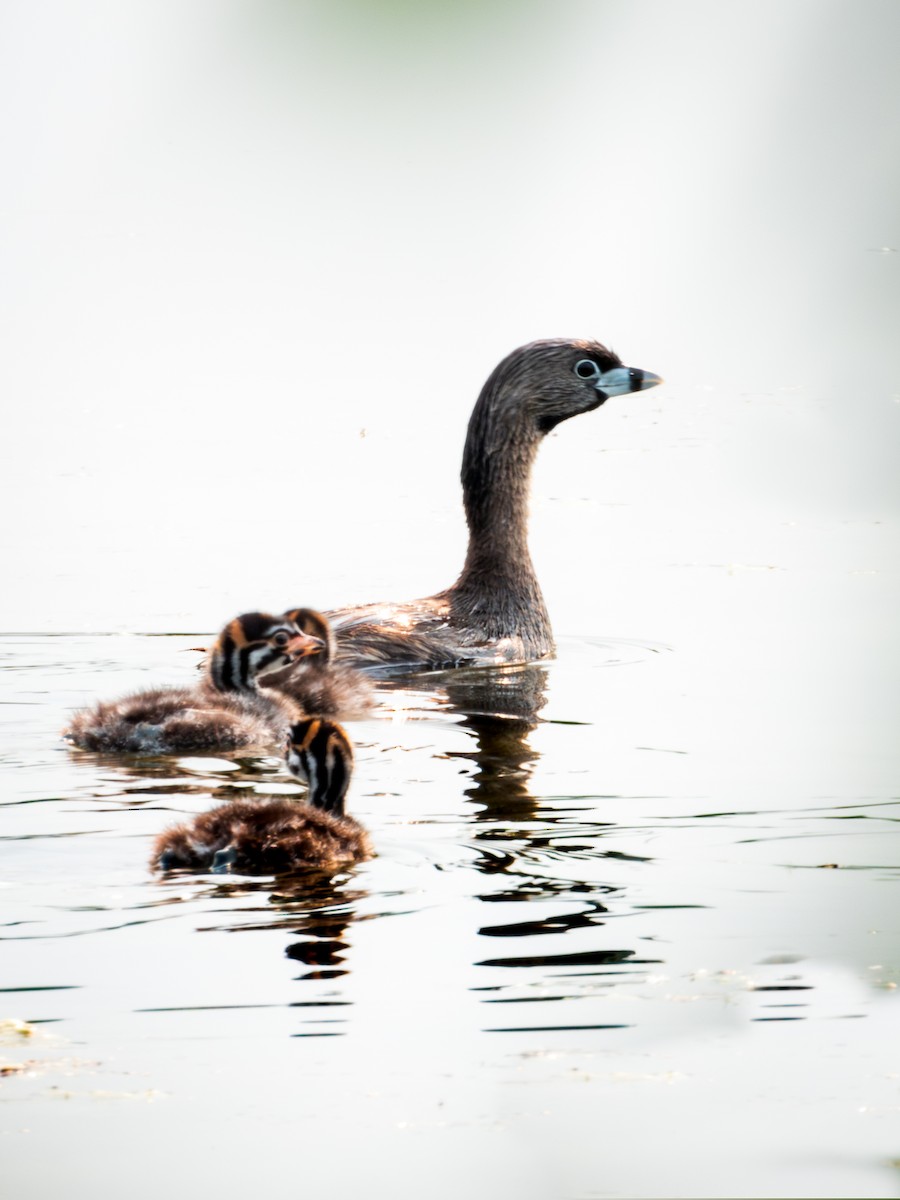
pixel 303 645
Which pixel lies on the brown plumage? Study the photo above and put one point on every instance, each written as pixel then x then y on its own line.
pixel 226 710
pixel 318 683
pixel 495 611
pixel 273 836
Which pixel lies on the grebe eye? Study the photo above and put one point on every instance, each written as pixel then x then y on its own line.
pixel 585 369
pixel 281 638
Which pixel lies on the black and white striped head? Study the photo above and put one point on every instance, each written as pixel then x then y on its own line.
pixel 316 625
pixel 319 752
pixel 255 643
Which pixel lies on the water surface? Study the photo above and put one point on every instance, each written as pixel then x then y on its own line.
pixel 576 928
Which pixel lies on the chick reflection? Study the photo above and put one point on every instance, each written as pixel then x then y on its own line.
pixel 317 908
pixel 215 777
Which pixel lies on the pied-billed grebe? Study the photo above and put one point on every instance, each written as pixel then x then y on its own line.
pixel 225 710
pixel 269 837
pixel 494 612
pixel 318 683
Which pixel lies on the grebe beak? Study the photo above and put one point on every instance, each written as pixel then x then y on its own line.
pixel 619 381
pixel 303 645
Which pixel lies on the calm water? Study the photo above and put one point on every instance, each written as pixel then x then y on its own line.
pixel 583 929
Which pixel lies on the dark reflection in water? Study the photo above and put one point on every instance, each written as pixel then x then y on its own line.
pixel 163 775
pixel 500 707
pixel 592 915
pixel 316 907
pixel 584 958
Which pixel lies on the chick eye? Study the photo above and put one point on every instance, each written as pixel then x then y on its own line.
pixel 585 369
pixel 281 638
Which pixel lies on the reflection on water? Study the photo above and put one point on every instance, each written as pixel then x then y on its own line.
pixel 500 708
pixel 313 906
pixel 551 891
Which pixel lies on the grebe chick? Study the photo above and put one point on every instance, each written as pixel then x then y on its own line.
pixel 227 709
pixel 269 837
pixel 319 684
pixel 494 613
